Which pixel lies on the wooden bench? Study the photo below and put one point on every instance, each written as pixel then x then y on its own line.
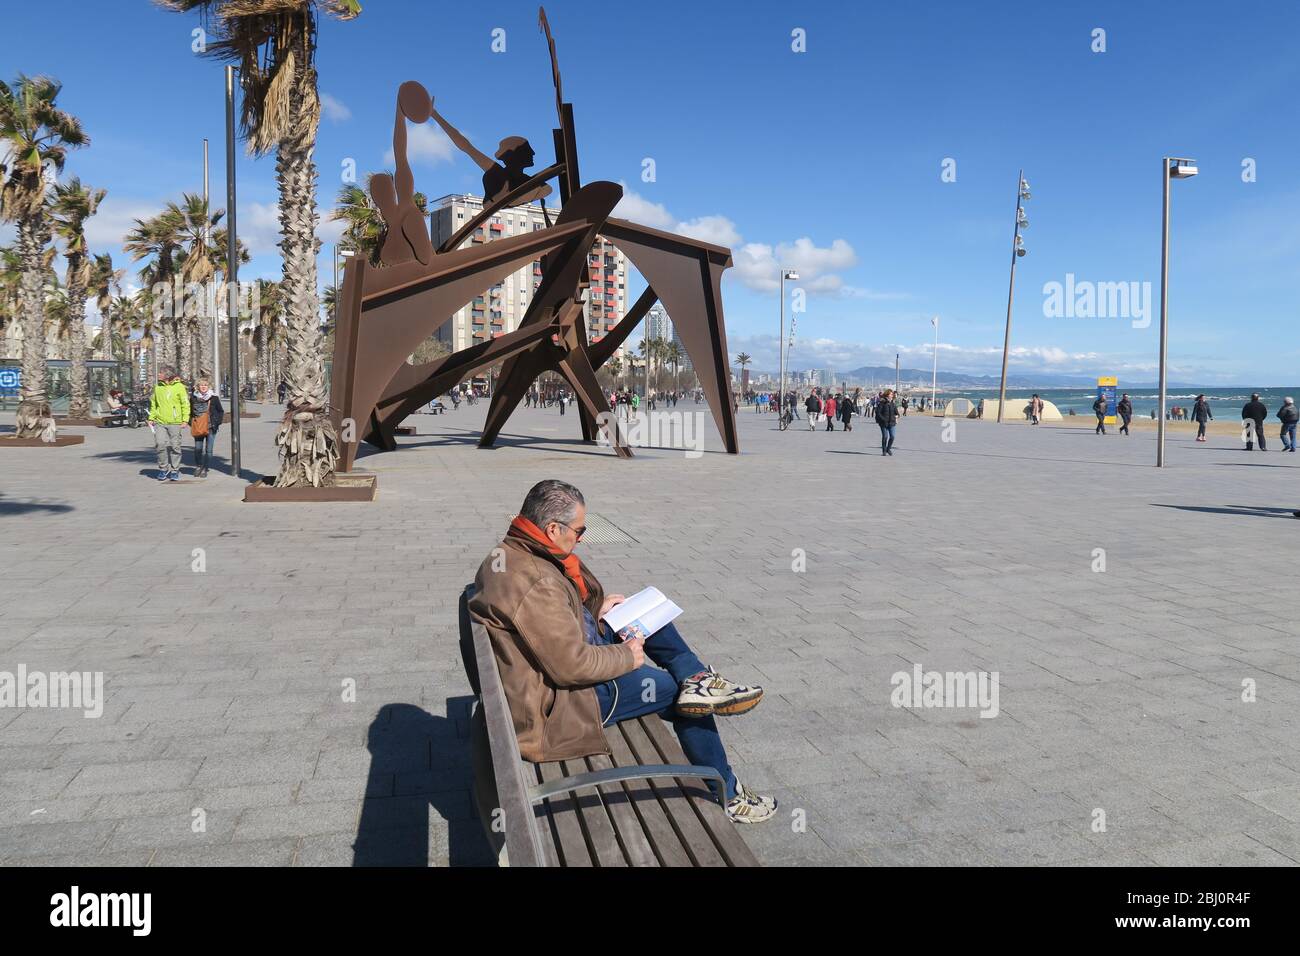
pixel 642 806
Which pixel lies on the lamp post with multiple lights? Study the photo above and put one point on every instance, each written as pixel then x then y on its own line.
pixel 793 276
pixel 1017 250
pixel 1171 167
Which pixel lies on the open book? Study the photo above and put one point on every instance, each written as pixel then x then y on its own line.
pixel 641 614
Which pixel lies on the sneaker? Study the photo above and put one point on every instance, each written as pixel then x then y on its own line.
pixel 708 693
pixel 162 475
pixel 174 476
pixel 749 807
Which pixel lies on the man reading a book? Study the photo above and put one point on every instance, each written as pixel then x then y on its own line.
pixel 566 674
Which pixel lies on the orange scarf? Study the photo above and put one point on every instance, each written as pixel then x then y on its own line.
pixel 572 563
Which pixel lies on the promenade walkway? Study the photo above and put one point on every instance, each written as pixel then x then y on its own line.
pixel 304 691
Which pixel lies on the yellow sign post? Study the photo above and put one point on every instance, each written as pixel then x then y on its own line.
pixel 1106 386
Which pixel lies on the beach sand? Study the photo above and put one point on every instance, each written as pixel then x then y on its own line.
pixel 1217 427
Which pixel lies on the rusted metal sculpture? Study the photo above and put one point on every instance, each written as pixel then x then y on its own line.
pixel 385 313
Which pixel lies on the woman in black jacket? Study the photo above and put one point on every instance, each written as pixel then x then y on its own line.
pixel 887 418
pixel 205 410
pixel 1201 414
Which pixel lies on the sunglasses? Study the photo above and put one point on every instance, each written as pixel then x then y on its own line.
pixel 579 532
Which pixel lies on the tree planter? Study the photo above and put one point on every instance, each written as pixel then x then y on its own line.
pixel 353 486
pixel 60 441
pixel 61 420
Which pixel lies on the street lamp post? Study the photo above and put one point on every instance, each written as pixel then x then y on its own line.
pixel 1170 168
pixel 934 381
pixel 793 276
pixel 1017 250
pixel 232 273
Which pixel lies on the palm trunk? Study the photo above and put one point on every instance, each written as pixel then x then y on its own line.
pixel 34 419
pixel 203 329
pixel 78 379
pixel 306 438
pixel 185 325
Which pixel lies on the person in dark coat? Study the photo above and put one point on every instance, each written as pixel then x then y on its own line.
pixel 1125 409
pixel 1256 411
pixel 204 401
pixel 1201 414
pixel 1099 409
pixel 847 409
pixel 887 418
pixel 1288 414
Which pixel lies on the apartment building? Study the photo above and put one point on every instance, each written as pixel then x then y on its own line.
pixel 501 308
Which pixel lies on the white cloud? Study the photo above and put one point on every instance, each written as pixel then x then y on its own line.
pixel 424 144
pixel 718 230
pixel 757 264
pixel 639 209
pixel 116 217
pixel 333 109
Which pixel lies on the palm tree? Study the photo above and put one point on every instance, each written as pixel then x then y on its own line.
pixel 265 332
pixel 156 242
pixel 743 359
pixel 36 136
pixel 674 355
pixel 274 43
pixel 195 225
pixel 11 273
pixel 103 280
pixel 70 206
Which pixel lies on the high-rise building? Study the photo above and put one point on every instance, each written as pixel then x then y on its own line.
pixel 660 326
pixel 501 308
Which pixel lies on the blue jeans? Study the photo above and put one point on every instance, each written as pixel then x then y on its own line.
pixel 203 448
pixel 653 690
pixel 1288 436
pixel 886 438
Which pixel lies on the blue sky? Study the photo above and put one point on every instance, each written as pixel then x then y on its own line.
pixel 829 160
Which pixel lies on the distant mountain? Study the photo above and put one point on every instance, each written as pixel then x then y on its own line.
pixel 885 373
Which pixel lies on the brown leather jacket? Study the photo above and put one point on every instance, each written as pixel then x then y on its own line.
pixel 533 617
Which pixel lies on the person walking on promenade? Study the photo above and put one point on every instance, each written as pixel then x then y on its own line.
pixel 1289 415
pixel 1202 415
pixel 169 411
pixel 206 416
pixel 847 408
pixel 1035 409
pixel 1099 409
pixel 887 418
pixel 562 399
pixel 1256 411
pixel 1125 409
pixel 829 410
pixel 281 389
pixel 813 406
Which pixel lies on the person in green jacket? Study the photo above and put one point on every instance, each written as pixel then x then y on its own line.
pixel 169 412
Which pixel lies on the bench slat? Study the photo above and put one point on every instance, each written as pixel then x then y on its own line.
pixel 563 810
pixel 601 839
pixel 660 834
pixel 630 834
pixel 725 834
pixel 678 808
pixel 542 818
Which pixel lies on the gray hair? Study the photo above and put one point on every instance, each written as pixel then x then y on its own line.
pixel 167 372
pixel 552 500
pixel 1288 401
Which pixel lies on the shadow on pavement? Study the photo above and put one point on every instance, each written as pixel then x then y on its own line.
pixel 15 507
pixel 428 751
pixel 1253 510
